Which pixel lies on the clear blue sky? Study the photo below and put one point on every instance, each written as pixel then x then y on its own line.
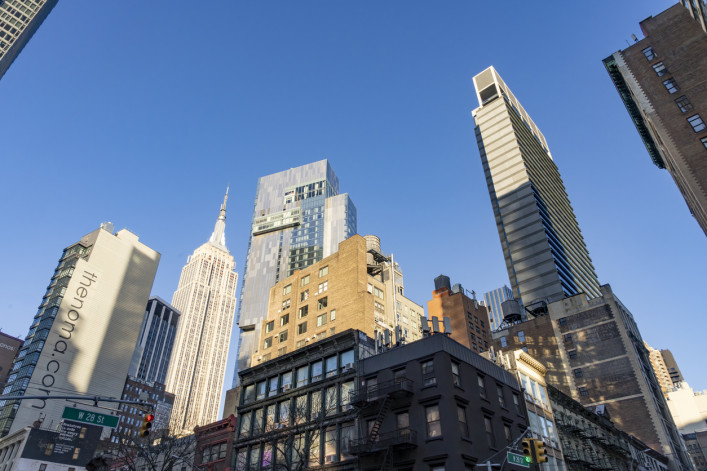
pixel 141 113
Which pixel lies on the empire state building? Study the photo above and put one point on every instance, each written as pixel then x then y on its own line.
pixel 206 296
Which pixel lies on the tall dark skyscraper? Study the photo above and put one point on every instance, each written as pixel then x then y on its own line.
pixel 545 253
pixel 19 20
pixel 299 217
pixel 155 342
pixel 661 80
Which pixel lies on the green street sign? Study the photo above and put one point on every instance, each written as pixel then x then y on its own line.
pixel 89 417
pixel 518 460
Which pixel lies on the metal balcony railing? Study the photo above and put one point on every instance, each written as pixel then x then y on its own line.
pixel 404 437
pixel 373 393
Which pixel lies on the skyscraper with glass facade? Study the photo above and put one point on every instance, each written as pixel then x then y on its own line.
pixel 19 20
pixel 493 300
pixel 545 253
pixel 155 342
pixel 299 217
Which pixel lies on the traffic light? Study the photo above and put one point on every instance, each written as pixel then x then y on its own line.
pixel 528 449
pixel 147 419
pixel 540 456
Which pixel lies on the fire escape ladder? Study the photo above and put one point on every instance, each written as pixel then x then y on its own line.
pixel 387 459
pixel 382 412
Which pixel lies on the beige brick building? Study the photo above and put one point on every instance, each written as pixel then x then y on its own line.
pixel 358 287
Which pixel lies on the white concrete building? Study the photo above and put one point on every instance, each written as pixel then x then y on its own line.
pixel 688 408
pixel 206 297
pixel 83 336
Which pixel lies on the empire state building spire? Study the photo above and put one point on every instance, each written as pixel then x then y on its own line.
pixel 206 297
pixel 218 237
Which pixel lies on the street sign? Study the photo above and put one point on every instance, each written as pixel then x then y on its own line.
pixel 518 460
pixel 89 417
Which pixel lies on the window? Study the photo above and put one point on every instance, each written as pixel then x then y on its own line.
pixel 684 104
pixel 304 281
pixel 322 303
pixel 649 53
pixel 330 400
pixel 332 315
pixel 504 342
pixel 482 386
pixel 287 290
pixel 270 326
pixel 378 292
pixel 428 373
pixel 578 373
pixel 284 320
pixel 286 304
pixel 704 141
pixel 347 359
pixel 456 381
pixel 321 319
pixel 323 287
pixel 671 85
pixel 282 337
pixel 304 295
pixel 696 123
pixel 267 343
pixel 434 427
pixel 521 336
pixel 314 448
pixel 572 354
pixel 461 416
pixel 286 381
pixel 660 69
pixel 507 432
pixel 272 390
pixel 583 391
pixel 245 424
pixel 316 371
pixel 303 311
pixel 331 366
pixel 490 438
pixel 260 390
pixel 567 338
pixel 516 403
pixel 324 271
pixel 501 400
pixel 347 390
pixel 249 394
pixel 302 328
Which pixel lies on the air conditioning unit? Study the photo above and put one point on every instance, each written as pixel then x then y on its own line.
pixel 286 387
pixel 348 407
pixel 330 458
pixel 279 426
pixel 347 367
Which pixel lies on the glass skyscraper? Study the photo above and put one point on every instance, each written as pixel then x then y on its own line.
pixel 299 217
pixel 155 342
pixel 545 253
pixel 19 20
pixel 493 300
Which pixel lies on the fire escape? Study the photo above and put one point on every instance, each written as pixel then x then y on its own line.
pixel 379 399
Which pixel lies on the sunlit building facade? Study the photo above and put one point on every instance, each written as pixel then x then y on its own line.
pixel 545 253
pixel 299 217
pixel 206 297
pixel 83 335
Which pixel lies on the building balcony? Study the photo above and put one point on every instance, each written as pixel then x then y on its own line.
pixel 400 438
pixel 371 394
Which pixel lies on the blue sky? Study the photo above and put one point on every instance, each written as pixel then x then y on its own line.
pixel 141 113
